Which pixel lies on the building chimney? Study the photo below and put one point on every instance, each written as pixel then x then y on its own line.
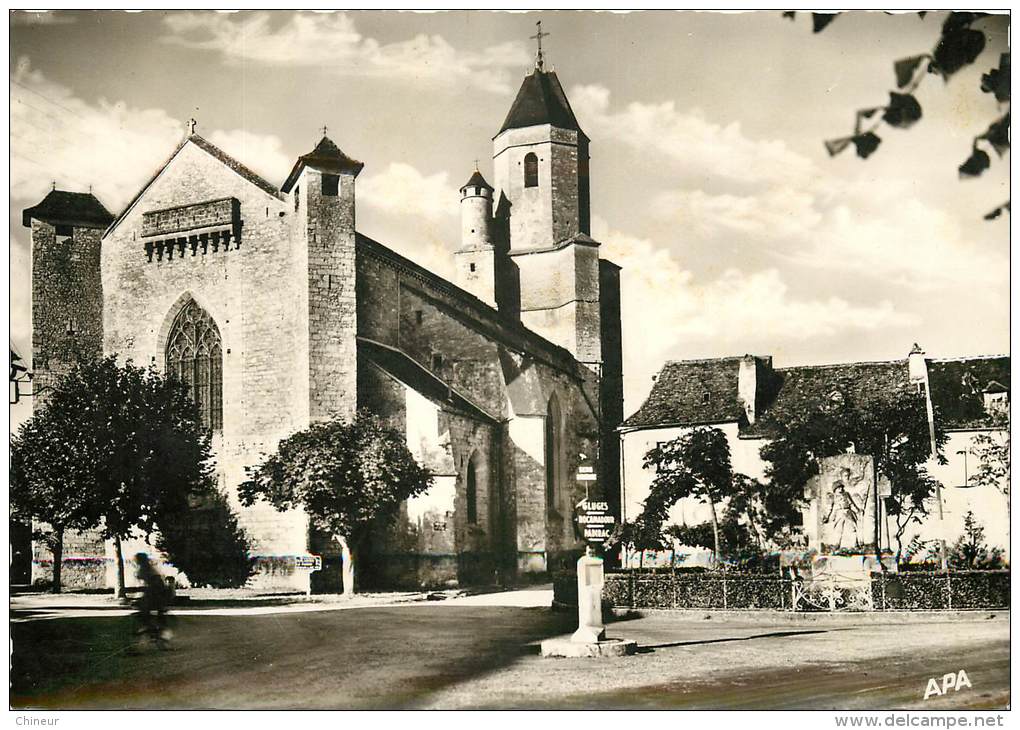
pixel 747 386
pixel 916 366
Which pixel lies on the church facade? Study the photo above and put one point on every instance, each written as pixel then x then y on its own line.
pixel 277 312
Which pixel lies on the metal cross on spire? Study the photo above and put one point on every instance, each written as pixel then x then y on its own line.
pixel 192 123
pixel 539 60
pixel 324 128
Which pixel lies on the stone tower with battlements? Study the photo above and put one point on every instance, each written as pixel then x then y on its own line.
pixel 67 290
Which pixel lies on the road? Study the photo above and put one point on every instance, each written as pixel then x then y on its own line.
pixel 470 653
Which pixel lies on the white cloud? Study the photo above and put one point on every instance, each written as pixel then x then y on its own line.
pixel 776 213
pixel 263 153
pixel 401 189
pixel 115 148
pixel 700 146
pixel 664 306
pixel 424 205
pixel 331 41
pixel 56 136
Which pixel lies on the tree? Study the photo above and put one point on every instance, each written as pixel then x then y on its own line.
pixel 959 44
pixel 696 464
pixel 992 450
pixel 41 490
pixel 133 449
pixel 970 551
pixel 892 428
pixel 206 543
pixel 348 476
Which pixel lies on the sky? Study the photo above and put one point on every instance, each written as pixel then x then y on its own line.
pixel 711 187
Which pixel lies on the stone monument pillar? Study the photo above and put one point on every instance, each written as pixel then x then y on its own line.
pixel 590 577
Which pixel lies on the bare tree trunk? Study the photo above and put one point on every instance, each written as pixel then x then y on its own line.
pixel 57 548
pixel 119 592
pixel 715 534
pixel 347 566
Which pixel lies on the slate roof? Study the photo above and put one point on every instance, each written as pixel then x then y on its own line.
pixel 408 371
pixel 476 181
pixel 805 388
pixel 326 156
pixel 678 396
pixel 540 100
pixel 61 206
pixel 957 387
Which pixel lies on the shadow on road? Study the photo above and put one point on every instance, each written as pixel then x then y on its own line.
pixel 771 635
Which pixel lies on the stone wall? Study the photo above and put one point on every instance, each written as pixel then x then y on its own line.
pixel 555 209
pixel 256 291
pixel 332 303
pixel 67 302
pixel 508 374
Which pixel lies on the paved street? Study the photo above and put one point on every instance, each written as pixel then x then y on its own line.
pixel 481 651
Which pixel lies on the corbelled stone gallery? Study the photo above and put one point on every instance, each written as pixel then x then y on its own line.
pixel 278 313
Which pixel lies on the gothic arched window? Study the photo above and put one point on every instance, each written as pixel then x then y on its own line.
pixel 194 355
pixel 531 170
pixel 471 492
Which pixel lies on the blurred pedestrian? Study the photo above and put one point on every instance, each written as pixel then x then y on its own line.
pixel 153 603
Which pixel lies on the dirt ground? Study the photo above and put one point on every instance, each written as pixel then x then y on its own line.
pixel 460 654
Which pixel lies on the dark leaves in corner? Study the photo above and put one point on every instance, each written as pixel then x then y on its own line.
pixel 866 144
pixel 835 146
pixel 820 20
pixel 903 110
pixel 977 163
pixel 996 81
pixel 905 69
pixel 957 48
pixel 998 135
pixel 997 212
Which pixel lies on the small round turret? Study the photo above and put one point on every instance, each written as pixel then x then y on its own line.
pixel 476 213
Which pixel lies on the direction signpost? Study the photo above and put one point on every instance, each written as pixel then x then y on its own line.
pixel 590 638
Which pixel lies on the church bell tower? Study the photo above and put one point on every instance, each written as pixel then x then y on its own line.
pixel 540 159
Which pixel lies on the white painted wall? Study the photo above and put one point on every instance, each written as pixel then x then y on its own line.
pixel 987 503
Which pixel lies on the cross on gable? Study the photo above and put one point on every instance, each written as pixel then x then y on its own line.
pixel 192 123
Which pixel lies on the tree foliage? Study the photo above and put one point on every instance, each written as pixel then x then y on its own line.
pixel 970 551
pixel 992 450
pixel 206 542
pixel 892 428
pixel 348 476
pixel 959 44
pixel 114 448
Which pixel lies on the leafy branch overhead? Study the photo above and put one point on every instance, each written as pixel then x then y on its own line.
pixel 958 46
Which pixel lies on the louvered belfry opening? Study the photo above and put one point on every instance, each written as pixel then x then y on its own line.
pixel 194 355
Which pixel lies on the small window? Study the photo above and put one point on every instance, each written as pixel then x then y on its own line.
pixel 297 198
pixel 706 398
pixel 471 266
pixel 531 170
pixel 65 230
pixel 330 185
pixel 417 316
pixel 471 493
pixel 437 361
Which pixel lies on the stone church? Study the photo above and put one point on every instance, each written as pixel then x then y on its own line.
pixel 277 312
